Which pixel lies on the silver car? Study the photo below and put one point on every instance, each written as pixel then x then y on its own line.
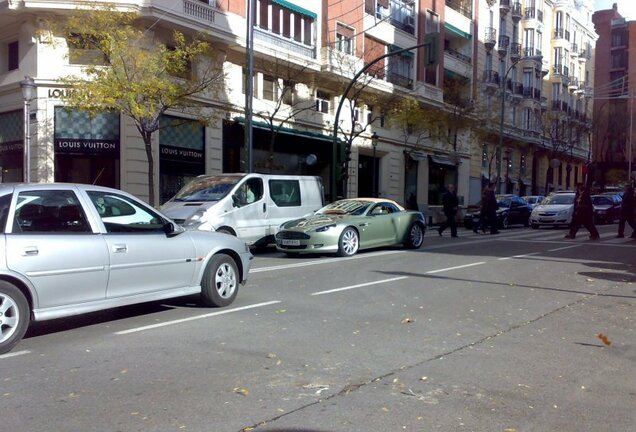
pixel 69 249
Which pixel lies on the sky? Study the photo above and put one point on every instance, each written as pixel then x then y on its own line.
pixel 627 8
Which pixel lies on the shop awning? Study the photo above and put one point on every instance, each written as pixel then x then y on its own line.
pixel 295 8
pixel 393 48
pixel 287 130
pixel 441 160
pixel 417 155
pixel 457 31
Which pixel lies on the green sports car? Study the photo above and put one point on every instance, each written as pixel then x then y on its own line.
pixel 346 226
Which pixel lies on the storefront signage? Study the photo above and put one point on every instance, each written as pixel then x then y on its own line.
pixel 93 147
pixel 57 93
pixel 181 154
pixel 11 147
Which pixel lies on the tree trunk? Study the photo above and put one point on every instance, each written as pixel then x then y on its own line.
pixel 147 137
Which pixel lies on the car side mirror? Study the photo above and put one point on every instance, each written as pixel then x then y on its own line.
pixel 236 202
pixel 171 230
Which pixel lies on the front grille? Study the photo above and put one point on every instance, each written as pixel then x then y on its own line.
pixel 301 247
pixel 547 214
pixel 179 221
pixel 292 235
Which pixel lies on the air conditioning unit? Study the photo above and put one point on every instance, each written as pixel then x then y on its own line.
pixel 409 21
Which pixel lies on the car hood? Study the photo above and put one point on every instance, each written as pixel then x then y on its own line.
pixel 312 222
pixel 184 209
pixel 553 207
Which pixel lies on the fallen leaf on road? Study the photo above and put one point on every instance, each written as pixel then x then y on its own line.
pixel 407 321
pixel 423 378
pixel 281 311
pixel 241 391
pixel 271 356
pixel 604 339
pixel 589 280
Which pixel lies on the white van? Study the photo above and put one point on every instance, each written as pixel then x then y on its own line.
pixel 249 206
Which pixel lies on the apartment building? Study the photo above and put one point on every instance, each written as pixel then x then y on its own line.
pixel 535 64
pixel 613 95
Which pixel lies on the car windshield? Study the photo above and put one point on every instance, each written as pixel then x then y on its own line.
pixel 349 207
pixel 558 199
pixel 504 202
pixel 601 200
pixel 207 188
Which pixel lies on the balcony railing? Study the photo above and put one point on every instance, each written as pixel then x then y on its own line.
pixel 406 24
pixel 200 10
pixel 529 51
pixel 528 92
pixel 490 36
pixel 575 50
pixel 458 55
pixel 285 44
pixel 503 42
pixel 558 33
pixel 516 11
pixel 491 76
pixel 556 105
pixel 530 13
pixel 517 88
pixel 463 7
pixel 515 50
pixel 399 79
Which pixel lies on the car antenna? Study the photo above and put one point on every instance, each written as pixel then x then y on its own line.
pixel 98 175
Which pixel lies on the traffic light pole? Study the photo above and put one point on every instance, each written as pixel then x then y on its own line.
pixel 334 146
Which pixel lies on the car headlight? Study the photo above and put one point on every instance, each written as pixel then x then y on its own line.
pixel 325 228
pixel 198 222
pixel 563 212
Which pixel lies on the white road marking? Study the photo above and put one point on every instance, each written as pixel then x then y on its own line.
pixel 359 285
pixel 179 321
pixel 518 256
pixel 565 247
pixel 456 267
pixel 325 261
pixel 14 354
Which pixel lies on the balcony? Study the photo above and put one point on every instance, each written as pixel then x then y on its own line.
pixel 199 10
pixel 504 7
pixel 490 37
pixel 502 45
pixel 516 11
pixel 530 52
pixel 454 53
pixel 462 6
pixel 517 89
pixel 537 94
pixel 406 24
pixel 284 44
pixel 491 77
pixel 515 51
pixel 556 105
pixel 399 79
pixel 574 83
pixel 530 13
pixel 559 33
pixel 574 52
pixel 528 92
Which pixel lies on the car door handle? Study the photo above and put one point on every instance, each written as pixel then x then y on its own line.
pixel 264 208
pixel 364 224
pixel 30 251
pixel 120 248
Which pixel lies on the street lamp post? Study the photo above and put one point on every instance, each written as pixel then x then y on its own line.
pixel 28 93
pixel 501 119
pixel 374 144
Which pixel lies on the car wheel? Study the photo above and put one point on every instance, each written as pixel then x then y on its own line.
pixel 415 237
pixel 505 223
pixel 14 316
pixel 349 242
pixel 220 283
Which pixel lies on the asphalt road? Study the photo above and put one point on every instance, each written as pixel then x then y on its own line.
pixel 478 333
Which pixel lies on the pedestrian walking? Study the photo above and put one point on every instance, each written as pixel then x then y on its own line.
pixel 488 213
pixel 583 213
pixel 627 212
pixel 450 205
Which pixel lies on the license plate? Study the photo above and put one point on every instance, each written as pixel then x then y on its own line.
pixel 290 242
pixel 545 220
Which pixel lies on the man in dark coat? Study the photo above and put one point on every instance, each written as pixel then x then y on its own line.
pixel 627 212
pixel 488 214
pixel 450 206
pixel 583 213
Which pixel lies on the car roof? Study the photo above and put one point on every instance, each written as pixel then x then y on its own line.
pixel 374 200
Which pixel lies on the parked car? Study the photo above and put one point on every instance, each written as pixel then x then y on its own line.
pixel 249 206
pixel 69 249
pixel 511 210
pixel 533 200
pixel 346 226
pixel 555 210
pixel 607 208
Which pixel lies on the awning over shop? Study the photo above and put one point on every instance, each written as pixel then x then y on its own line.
pixel 287 130
pixel 457 31
pixel 393 48
pixel 441 160
pixel 295 8
pixel 417 155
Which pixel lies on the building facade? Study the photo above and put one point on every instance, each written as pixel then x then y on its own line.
pixel 614 96
pixel 305 55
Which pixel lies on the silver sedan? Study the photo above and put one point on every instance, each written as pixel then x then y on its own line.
pixel 69 249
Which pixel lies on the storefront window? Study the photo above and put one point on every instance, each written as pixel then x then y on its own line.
pixel 86 147
pixel 182 150
pixel 11 146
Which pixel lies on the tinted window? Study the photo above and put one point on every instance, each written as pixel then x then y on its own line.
pixel 559 199
pixel 285 193
pixel 49 211
pixel 5 202
pixel 206 189
pixel 122 214
pixel 250 191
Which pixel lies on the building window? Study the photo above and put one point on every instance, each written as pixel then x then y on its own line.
pixel 13 55
pixel 288 92
pixel 269 88
pixel 322 101
pixel 285 22
pixel 522 165
pixel 527 119
pixel 344 39
pixel 84 49
pixel 400 68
